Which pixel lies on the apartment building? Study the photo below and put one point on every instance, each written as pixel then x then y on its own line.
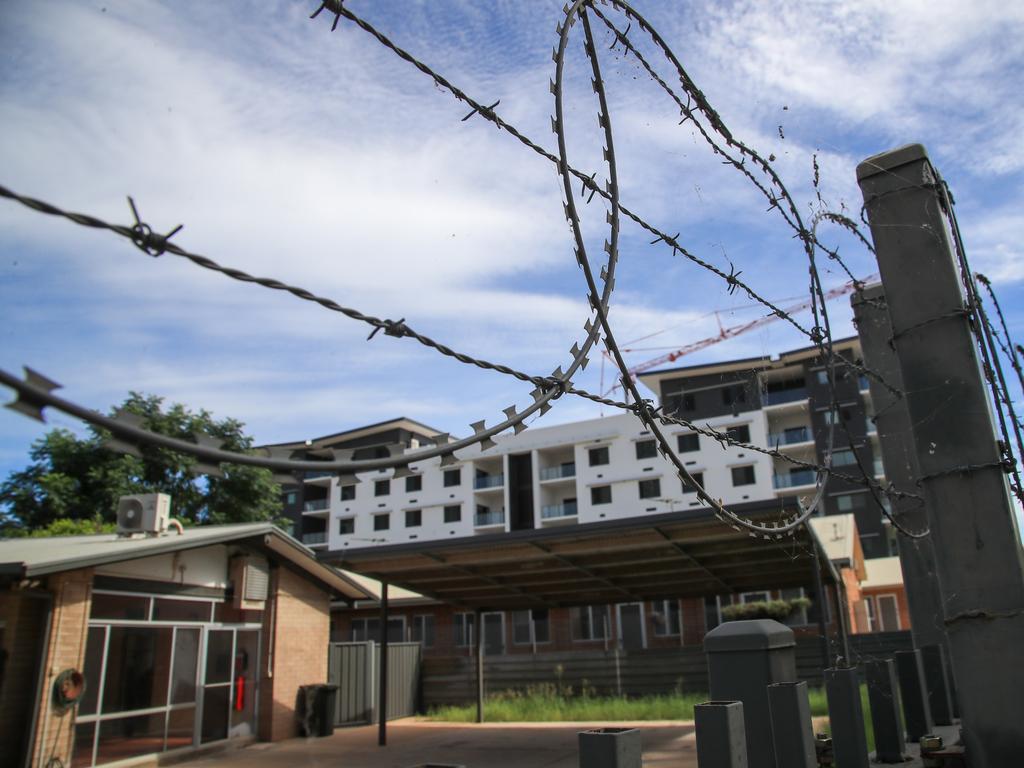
pixel 603 469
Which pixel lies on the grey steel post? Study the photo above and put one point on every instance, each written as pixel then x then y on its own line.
pixel 382 662
pixel 479 627
pixel 917 714
pixel 846 716
pixel 884 695
pixel 936 681
pixel 721 736
pixel 917 556
pixel 978 554
pixel 791 725
pixel 819 597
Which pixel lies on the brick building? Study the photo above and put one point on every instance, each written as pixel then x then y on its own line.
pixel 186 641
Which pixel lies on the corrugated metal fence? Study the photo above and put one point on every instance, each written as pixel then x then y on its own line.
pixel 353 667
pixel 452 680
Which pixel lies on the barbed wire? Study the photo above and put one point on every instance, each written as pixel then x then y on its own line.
pixel 36 391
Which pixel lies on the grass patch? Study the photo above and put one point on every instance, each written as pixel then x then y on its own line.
pixel 546 704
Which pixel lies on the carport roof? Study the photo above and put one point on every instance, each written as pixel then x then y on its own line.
pixel 676 554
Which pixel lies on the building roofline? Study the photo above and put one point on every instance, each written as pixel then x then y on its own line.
pixel 357 432
pixel 724 364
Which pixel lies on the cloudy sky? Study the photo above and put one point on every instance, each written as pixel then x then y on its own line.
pixel 323 160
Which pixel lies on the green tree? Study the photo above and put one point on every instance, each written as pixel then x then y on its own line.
pixel 78 479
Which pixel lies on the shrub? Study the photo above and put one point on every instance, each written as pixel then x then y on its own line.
pixel 770 609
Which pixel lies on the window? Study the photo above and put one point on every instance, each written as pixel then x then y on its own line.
pixel 847 502
pixel 452 477
pixel 364 630
pixel 646 449
pixel 698 478
pixel 689 442
pixel 689 403
pixel 588 622
pixel 732 395
pixel 346 526
pixel 601 494
pixel 413 518
pixel 743 475
pixel 453 513
pixel 423 630
pixel 888 613
pixel 413 483
pixel 843 458
pixel 381 522
pixel 348 492
pixel 530 627
pixel 755 597
pixel 822 376
pixel 463 628
pixel 290 498
pixel 381 487
pixel 650 489
pixel 666 618
pixel 739 433
pixel 598 456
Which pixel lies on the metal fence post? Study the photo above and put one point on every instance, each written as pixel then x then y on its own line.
pixel 936 681
pixel 791 725
pixel 884 695
pixel 721 737
pixel 917 713
pixel 977 545
pixel 846 716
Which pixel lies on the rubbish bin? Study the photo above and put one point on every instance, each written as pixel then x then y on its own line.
pixel 744 658
pixel 325 696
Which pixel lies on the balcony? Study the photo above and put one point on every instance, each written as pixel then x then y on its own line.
pixel 557 473
pixel 485 519
pixel 784 396
pixel 313 539
pixel 795 479
pixel 316 505
pixel 488 481
pixel 554 511
pixel 790 436
pixel 318 474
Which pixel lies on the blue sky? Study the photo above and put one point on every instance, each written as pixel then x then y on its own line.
pixel 321 159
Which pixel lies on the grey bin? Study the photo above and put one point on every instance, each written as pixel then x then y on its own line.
pixel 611 748
pixel 744 658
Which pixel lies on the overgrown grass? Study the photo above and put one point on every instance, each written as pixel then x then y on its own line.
pixel 551 704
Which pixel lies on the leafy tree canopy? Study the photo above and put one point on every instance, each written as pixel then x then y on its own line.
pixel 76 479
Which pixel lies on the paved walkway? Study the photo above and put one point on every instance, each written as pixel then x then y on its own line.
pixel 498 745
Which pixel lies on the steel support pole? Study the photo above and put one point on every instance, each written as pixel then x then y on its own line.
pixel 884 695
pixel 846 717
pixel 895 436
pixel 792 733
pixel 721 736
pixel 978 553
pixel 917 712
pixel 382 664
pixel 819 597
pixel 478 622
pixel 936 680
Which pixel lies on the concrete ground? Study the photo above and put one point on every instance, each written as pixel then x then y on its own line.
pixel 414 743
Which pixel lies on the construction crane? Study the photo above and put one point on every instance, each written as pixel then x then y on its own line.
pixel 726 333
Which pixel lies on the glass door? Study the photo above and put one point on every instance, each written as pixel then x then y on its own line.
pixel 230 684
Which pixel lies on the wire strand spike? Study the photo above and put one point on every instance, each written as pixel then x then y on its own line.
pixel 39 381
pixel 487 443
pixel 478 426
pixel 202 468
pixel 207 440
pixel 114 445
pixel 402 471
pixel 342 454
pixel 510 412
pixel 447 459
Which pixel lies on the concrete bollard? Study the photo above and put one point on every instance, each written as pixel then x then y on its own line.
pixel 846 717
pixel 721 737
pixel 610 748
pixel 917 713
pixel 884 695
pixel 791 725
pixel 744 658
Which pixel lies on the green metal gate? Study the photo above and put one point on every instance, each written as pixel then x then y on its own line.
pixel 353 667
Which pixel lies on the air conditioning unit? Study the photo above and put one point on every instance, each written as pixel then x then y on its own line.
pixel 250 577
pixel 143 513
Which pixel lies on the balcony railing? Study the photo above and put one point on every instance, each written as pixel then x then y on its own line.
pixel 870 428
pixel 315 538
pixel 784 396
pixel 315 505
pixel 794 479
pixel 554 473
pixel 862 382
pixel 552 511
pixel 489 481
pixel 879 469
pixel 480 519
pixel 790 436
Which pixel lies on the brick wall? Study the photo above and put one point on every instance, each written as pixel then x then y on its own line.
pixel 297 644
pixel 72 601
